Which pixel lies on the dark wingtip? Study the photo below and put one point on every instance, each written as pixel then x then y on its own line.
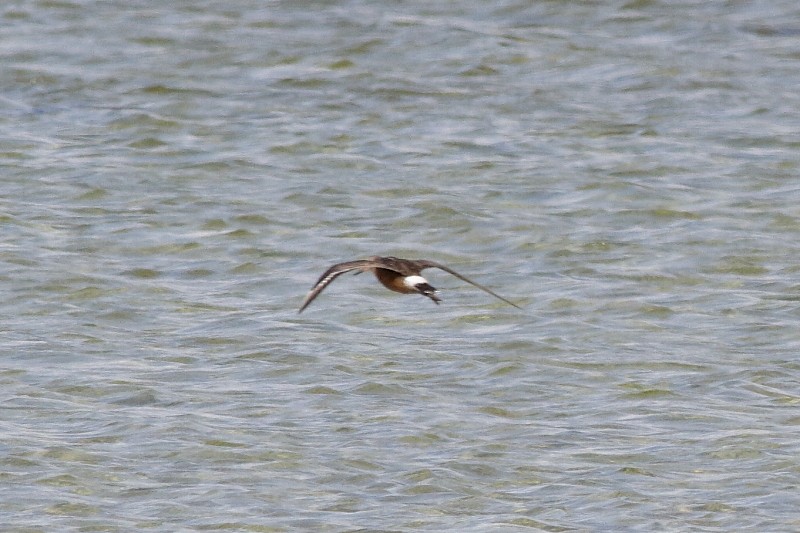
pixel 305 304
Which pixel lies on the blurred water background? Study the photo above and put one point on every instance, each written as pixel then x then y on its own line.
pixel 174 176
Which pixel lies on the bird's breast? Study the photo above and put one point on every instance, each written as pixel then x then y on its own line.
pixel 393 281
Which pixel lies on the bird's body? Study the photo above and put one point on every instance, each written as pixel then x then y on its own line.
pixel 395 281
pixel 398 275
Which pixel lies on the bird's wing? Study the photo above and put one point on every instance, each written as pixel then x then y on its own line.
pixel 424 263
pixel 331 274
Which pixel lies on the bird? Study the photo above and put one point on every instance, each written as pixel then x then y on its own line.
pixel 398 275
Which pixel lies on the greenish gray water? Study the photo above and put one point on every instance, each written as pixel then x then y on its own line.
pixel 176 176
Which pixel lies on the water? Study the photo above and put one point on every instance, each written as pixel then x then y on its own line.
pixel 175 177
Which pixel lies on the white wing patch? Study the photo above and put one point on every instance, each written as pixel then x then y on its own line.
pixel 327 279
pixel 413 281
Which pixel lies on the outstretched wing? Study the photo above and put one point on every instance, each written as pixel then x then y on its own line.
pixel 331 274
pixel 424 263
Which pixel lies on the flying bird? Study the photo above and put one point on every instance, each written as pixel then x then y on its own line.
pixel 398 275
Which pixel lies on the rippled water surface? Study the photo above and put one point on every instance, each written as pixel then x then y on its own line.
pixel 176 175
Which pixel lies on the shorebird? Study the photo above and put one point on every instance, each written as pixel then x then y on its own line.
pixel 398 275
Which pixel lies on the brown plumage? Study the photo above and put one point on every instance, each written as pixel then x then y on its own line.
pixel 398 275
